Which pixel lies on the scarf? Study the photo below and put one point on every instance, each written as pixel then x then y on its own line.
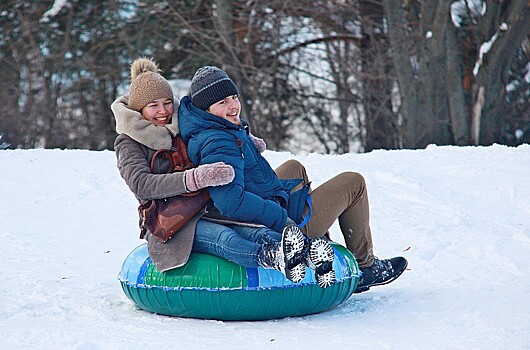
pixel 132 123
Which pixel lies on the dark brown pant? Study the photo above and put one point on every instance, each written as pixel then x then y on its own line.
pixel 344 197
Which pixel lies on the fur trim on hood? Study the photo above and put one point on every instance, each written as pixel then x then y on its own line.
pixel 132 123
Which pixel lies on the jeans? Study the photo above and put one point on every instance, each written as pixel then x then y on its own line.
pixel 239 244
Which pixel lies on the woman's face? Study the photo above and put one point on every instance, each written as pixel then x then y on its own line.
pixel 228 108
pixel 159 111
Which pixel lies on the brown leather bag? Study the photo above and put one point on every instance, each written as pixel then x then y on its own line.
pixel 165 217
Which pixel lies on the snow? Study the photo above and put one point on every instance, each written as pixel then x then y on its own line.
pixel 484 49
pixel 54 10
pixel 460 215
pixel 463 8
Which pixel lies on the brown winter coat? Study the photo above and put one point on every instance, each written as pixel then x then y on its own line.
pixel 134 147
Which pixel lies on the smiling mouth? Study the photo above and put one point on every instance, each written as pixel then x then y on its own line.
pixel 161 119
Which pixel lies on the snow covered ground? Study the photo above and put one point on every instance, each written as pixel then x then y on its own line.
pixel 460 215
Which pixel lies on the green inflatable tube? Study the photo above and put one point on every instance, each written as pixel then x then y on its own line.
pixel 210 287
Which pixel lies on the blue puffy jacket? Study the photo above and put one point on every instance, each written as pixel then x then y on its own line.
pixel 256 194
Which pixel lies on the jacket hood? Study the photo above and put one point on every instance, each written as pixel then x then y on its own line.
pixel 132 123
pixel 192 120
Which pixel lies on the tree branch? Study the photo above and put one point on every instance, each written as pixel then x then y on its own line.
pixel 352 38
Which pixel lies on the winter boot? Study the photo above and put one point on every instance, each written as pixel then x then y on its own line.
pixel 381 272
pixel 285 256
pixel 318 256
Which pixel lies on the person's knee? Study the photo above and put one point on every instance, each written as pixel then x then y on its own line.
pixel 353 177
pixel 354 180
pixel 294 165
pixel 293 169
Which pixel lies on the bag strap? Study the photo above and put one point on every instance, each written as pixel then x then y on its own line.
pixel 309 202
pixel 163 152
pixel 177 156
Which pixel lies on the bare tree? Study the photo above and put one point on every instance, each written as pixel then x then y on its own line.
pixel 293 63
pixel 331 76
pixel 453 63
pixel 65 72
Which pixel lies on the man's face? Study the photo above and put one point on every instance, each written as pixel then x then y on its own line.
pixel 228 108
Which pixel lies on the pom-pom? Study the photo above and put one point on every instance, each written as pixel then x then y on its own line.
pixel 142 65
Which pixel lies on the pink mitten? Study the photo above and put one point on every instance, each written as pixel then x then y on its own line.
pixel 260 144
pixel 215 174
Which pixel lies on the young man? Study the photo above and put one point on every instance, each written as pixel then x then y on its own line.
pixel 211 126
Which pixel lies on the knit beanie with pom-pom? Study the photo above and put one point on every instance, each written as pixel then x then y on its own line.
pixel 147 84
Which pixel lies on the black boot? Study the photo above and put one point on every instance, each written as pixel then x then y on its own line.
pixel 318 256
pixel 285 256
pixel 381 272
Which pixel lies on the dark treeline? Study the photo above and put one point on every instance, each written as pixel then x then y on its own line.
pixel 331 76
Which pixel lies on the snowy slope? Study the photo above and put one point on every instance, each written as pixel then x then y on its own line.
pixel 461 216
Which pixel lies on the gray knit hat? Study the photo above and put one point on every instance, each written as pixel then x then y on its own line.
pixel 209 85
pixel 147 84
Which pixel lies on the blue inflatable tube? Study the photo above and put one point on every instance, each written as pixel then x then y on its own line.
pixel 210 287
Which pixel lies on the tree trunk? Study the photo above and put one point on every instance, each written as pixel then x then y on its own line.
pixel 493 72
pixel 10 120
pixel 405 63
pixel 433 74
pixel 458 113
pixel 380 121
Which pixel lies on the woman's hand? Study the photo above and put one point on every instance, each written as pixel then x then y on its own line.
pixel 214 174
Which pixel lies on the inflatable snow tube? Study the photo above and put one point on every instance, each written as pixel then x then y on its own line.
pixel 210 287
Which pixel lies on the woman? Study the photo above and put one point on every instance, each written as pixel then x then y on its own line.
pixel 213 130
pixel 145 123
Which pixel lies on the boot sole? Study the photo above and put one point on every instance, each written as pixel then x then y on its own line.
pixel 292 246
pixel 321 255
pixel 364 289
pixel 296 274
